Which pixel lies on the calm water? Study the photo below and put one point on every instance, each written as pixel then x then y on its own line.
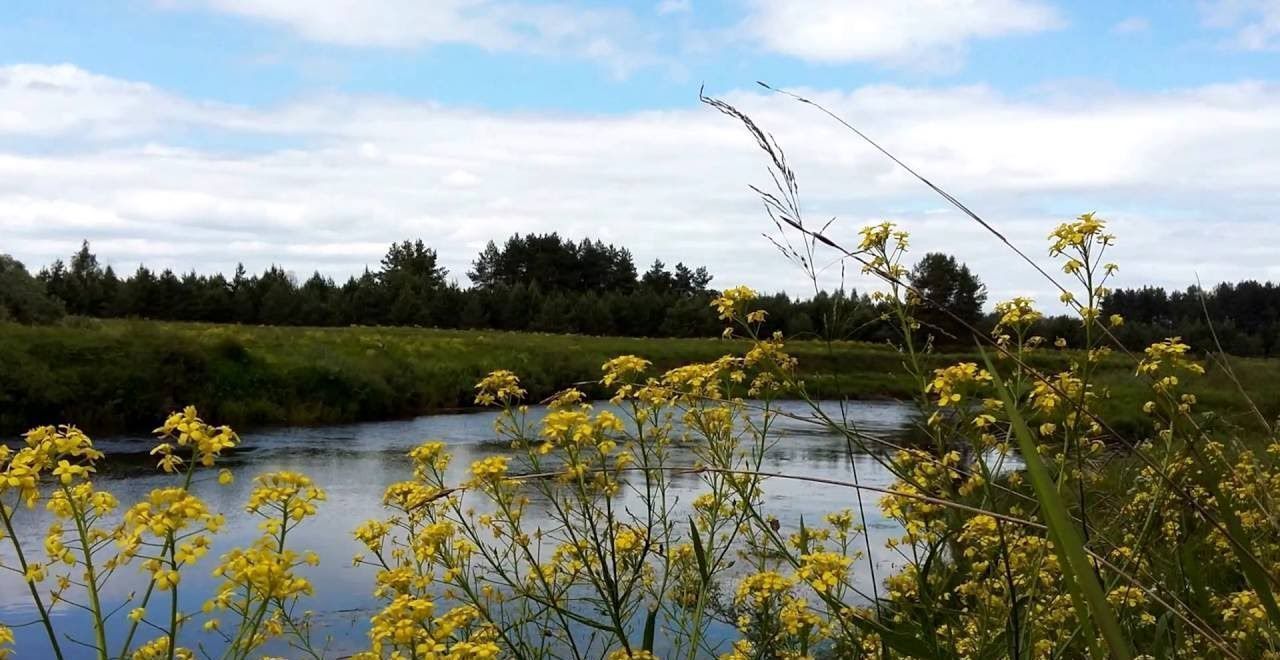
pixel 354 462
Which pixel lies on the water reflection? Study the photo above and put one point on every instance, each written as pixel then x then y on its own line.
pixel 355 462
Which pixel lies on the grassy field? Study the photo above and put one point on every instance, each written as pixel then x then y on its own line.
pixel 125 375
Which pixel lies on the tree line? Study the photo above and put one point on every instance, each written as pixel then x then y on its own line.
pixel 1243 317
pixel 535 282
pixel 547 283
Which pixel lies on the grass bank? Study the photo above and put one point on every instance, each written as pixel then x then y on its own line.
pixel 124 375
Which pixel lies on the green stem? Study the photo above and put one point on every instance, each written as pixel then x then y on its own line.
pixel 173 599
pixel 91 577
pixel 133 628
pixel 35 593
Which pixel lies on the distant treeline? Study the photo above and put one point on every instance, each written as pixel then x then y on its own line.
pixel 538 283
pixel 1245 316
pixel 546 283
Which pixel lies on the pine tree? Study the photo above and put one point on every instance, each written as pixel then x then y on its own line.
pixel 945 284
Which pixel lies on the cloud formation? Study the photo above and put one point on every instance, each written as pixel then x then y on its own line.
pixel 1132 25
pixel 1255 24
pixel 932 34
pixel 612 36
pixel 915 32
pixel 327 182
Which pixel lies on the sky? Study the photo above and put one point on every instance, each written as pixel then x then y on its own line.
pixel 198 134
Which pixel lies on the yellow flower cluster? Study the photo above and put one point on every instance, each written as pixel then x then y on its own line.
pixel 769 354
pixel 883 244
pixel 169 511
pixel 824 571
pixel 796 617
pixel 499 387
pixel 188 431
pixel 371 533
pixel 489 469
pixel 1061 393
pixel 158 649
pixel 623 368
pixel 1019 313
pixel 409 495
pixel 169 514
pixel 951 384
pixel 429 455
pixel 757 588
pixel 1245 613
pixel 629 540
pixel 406 627
pixel 1128 597
pixel 1079 235
pixel 264 572
pixel 1168 355
pixel 743 649
pixel 877 237
pixel 290 493
pixel 704 380
pixel 264 577
pixel 65 452
pixel 578 428
pixel 732 302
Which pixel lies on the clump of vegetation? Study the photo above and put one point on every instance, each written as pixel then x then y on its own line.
pixel 23 299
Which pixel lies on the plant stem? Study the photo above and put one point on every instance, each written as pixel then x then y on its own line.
pixel 91 577
pixel 35 593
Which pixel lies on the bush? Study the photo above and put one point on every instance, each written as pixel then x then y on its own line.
pixel 23 298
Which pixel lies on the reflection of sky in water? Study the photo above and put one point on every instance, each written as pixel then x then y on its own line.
pixel 353 463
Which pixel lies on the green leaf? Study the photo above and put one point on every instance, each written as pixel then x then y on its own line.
pixel 1160 648
pixel 700 554
pixel 650 623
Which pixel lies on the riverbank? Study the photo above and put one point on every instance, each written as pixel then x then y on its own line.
pixel 123 375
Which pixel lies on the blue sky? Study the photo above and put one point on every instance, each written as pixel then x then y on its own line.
pixel 194 49
pixel 199 133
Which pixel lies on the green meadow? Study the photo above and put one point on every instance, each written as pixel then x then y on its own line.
pixel 118 375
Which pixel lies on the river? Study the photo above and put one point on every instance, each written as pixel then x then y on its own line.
pixel 354 462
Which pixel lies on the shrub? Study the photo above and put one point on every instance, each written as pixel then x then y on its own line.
pixel 22 297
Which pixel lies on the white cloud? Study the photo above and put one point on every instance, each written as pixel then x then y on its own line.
pixel 1255 23
pixel 1132 25
pixel 38 100
pixel 460 179
pixel 674 6
pixel 609 35
pixel 1187 178
pixel 927 32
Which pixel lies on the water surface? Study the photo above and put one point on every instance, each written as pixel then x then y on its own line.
pixel 355 462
